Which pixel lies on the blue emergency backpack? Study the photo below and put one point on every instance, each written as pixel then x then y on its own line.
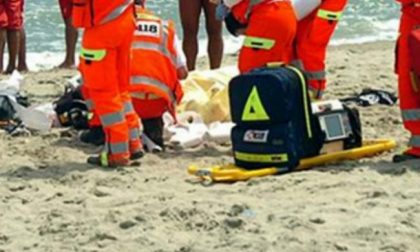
pixel 275 126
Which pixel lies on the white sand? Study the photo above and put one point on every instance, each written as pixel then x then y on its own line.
pixel 50 200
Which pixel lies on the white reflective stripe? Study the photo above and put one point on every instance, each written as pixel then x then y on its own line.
pixel 117 12
pixel 316 75
pixel 414 141
pixel 298 63
pixel 146 46
pixel 411 114
pixel 111 119
pixel 128 107
pixel 89 104
pixel 118 148
pixel 147 81
pixel 251 5
pixel 134 134
pixel 144 96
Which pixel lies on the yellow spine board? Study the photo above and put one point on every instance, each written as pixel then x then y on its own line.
pixel 232 173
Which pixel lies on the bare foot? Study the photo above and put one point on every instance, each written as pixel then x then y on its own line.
pixel 22 68
pixel 67 65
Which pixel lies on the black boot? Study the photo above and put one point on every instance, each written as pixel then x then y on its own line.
pixel 102 161
pixel 95 136
pixel 153 128
pixel 404 157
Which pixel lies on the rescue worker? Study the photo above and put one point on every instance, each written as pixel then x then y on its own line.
pixel 408 86
pixel 105 69
pixel 158 64
pixel 313 35
pixel 269 27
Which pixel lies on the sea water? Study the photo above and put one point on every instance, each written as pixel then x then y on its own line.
pixel 363 21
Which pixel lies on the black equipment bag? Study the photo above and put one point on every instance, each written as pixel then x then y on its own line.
pixel 71 109
pixel 355 140
pixel 275 124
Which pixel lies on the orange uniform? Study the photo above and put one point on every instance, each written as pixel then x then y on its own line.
pixel 408 88
pixel 155 87
pixel 271 28
pixel 313 35
pixel 105 68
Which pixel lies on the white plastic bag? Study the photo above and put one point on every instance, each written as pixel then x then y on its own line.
pixel 11 86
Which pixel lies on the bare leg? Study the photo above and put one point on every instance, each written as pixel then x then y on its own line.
pixel 3 35
pixel 214 31
pixel 71 41
pixel 190 19
pixel 13 42
pixel 22 67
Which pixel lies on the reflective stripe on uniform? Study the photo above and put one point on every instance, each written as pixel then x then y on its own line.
pixel 411 114
pixel 414 141
pixel 147 81
pixel 134 134
pixel 298 63
pixel 111 119
pixel 128 108
pixel 147 16
pixel 161 48
pixel 330 15
pixel 145 96
pixel 92 54
pixel 89 104
pixel 118 148
pixel 154 47
pixel 251 5
pixel 259 43
pixel 316 75
pixel 104 158
pixel 117 12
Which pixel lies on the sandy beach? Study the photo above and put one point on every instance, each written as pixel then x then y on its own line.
pixel 50 200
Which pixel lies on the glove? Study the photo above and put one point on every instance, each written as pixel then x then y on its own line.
pixel 222 11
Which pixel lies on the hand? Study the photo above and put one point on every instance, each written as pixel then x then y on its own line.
pixel 214 1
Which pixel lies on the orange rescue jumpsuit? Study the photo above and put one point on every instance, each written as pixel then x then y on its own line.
pixel 313 35
pixel 271 29
pixel 155 87
pixel 105 69
pixel 408 89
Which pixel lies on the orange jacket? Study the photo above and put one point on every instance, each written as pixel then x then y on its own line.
pixel 90 13
pixel 411 7
pixel 153 67
pixel 242 10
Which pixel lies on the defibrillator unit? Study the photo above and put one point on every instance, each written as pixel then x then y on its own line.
pixel 340 124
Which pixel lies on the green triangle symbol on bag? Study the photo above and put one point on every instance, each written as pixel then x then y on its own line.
pixel 254 109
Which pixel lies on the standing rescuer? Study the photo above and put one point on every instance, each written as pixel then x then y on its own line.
pixel 269 27
pixel 313 35
pixel 408 76
pixel 155 85
pixel 105 69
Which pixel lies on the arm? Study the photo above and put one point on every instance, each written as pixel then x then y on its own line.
pixel 181 61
